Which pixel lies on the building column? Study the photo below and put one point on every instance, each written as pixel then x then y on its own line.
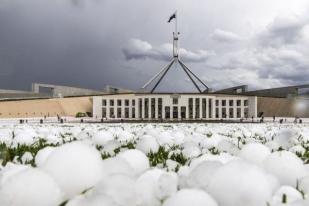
pixel 242 109
pixel 107 109
pixel 235 108
pixel 149 108
pixel 194 112
pixel 156 107
pixel 227 108
pixel 220 108
pixel 143 108
pixel 207 108
pixel 122 108
pixel 201 107
pixel 213 102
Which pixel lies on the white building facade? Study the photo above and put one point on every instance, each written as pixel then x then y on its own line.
pixel 185 106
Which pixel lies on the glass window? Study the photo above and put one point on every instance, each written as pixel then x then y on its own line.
pixel 111 102
pixel 104 102
pixel 223 103
pixel 246 102
pixel 126 102
pixel 119 102
pixel 239 102
pixel 175 100
pixel 231 102
pixel 133 102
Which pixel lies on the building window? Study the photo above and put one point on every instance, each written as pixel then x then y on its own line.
pixel 111 112
pixel 238 103
pixel 103 112
pixel 146 107
pixel 223 103
pixel 140 106
pixel 175 112
pixel 118 112
pixel 231 113
pixel 246 112
pixel 160 108
pixel 204 108
pixel 238 113
pixel 231 103
pixel 210 107
pixel 119 102
pixel 183 112
pixel 175 100
pixel 190 108
pixel 197 108
pixel 133 102
pixel 217 103
pixel 153 108
pixel 217 113
pixel 133 112
pixel 167 112
pixel 126 112
pixel 111 102
pixel 104 102
pixel 246 102
pixel 223 112
pixel 126 102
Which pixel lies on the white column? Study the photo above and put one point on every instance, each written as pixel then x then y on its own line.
pixel 201 107
pixel 107 109
pixel 149 108
pixel 242 110
pixel 227 109
pixel 213 108
pixel 220 108
pixel 156 108
pixel 122 108
pixel 207 108
pixel 143 108
pixel 235 108
pixel 194 108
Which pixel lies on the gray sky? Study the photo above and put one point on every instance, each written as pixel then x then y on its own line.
pixel 92 43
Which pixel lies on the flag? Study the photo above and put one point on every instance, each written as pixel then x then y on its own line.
pixel 172 17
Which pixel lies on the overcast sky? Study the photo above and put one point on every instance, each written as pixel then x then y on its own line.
pixel 93 43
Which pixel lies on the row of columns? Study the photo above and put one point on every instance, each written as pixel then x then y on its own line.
pixel 210 104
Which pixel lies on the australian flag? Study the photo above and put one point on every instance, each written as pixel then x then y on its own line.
pixel 172 17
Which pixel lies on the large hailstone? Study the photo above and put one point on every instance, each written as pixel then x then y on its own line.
pixel 254 153
pixel 286 193
pixel 147 144
pixel 102 137
pixel 192 197
pixel 116 165
pixel 241 183
pixel 286 166
pixel 155 185
pixel 286 137
pixel 120 188
pixel 75 167
pixel 136 159
pixel 201 174
pixel 30 187
pixel 42 155
pixel 92 200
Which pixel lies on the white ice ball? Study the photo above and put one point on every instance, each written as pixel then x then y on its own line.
pixel 286 166
pixel 192 197
pixel 30 187
pixel 75 167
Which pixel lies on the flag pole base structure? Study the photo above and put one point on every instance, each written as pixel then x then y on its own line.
pixel 176 60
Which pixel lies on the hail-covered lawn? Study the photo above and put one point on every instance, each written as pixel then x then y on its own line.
pixel 154 165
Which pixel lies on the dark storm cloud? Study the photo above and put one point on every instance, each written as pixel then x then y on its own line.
pixel 85 42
